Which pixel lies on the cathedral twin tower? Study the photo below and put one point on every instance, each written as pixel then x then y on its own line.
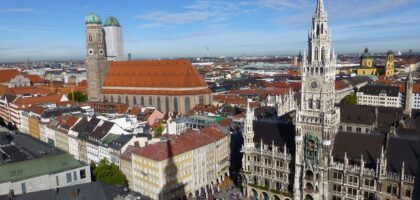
pixel 103 44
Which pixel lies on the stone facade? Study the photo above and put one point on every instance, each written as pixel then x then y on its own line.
pixel 314 159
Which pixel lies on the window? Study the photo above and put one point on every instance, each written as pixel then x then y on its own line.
pixel 337 188
pixel 351 192
pixel 368 196
pixel 68 176
pixel 56 180
pixel 349 129
pixel 187 104
pixel 75 176
pixel 82 174
pixel 408 192
pixel 358 130
pixel 337 176
pixel 352 179
pixel 369 182
pixel 23 185
pixel 175 104
pixel 336 198
pixel 340 128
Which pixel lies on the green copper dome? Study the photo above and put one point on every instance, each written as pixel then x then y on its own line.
pixel 93 18
pixel 112 21
pixel 390 52
pixel 366 54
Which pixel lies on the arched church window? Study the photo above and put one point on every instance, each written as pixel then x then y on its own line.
pixel 322 70
pixel 150 101
pixel 200 100
pixel 127 101
pixel 175 104
pixel 316 53
pixel 159 104
pixel 316 70
pixel 134 100
pixel 322 28
pixel 105 99
pixel 167 104
pixel 187 104
pixel 90 38
pixel 142 101
pixel 318 104
pixel 112 99
pixel 323 54
pixel 119 99
pixel 310 104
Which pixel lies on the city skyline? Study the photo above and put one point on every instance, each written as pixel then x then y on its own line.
pixel 55 30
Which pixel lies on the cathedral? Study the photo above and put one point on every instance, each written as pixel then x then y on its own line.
pixel 168 85
pixel 320 151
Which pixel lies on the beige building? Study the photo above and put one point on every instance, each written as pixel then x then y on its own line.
pixel 181 167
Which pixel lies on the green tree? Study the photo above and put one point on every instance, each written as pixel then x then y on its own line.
pixel 78 96
pixel 159 130
pixel 108 173
pixel 350 99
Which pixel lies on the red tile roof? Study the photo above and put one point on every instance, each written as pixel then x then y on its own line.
pixel 35 78
pixel 28 101
pixel 7 74
pixel 174 74
pixel 187 141
pixel 341 84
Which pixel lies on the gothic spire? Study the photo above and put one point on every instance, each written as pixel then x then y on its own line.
pixel 320 8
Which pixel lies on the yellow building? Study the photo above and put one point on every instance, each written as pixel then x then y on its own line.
pixel 34 129
pixel 181 167
pixel 389 68
pixel 366 65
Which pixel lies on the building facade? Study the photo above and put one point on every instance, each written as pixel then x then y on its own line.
pixel 318 153
pixel 113 39
pixel 379 95
pixel 186 166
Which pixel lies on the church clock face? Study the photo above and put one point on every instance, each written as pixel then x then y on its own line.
pixel 314 85
pixel 90 51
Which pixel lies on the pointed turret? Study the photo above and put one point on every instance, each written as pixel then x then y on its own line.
pixel 320 8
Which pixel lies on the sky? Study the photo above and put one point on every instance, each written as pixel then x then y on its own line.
pixel 55 29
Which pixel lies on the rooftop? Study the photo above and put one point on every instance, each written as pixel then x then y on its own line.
pixel 187 141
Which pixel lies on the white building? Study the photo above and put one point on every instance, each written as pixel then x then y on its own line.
pixel 113 39
pixel 45 168
pixel 379 95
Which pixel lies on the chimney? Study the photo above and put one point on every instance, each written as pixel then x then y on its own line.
pixel 136 144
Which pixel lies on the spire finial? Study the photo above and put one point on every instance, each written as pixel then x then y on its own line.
pixel 320 7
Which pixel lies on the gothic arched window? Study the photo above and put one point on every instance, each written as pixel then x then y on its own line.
pixel 200 100
pixel 126 101
pixel 175 104
pixel 318 104
pixel 150 101
pixel 142 101
pixel 119 99
pixel 134 100
pixel 187 104
pixel 323 54
pixel 167 104
pixel 316 53
pixel 112 99
pixel 322 28
pixel 105 100
pixel 159 104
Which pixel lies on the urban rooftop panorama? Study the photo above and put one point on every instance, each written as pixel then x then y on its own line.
pixel 210 99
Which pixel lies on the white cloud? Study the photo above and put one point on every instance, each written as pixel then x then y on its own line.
pixel 206 11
